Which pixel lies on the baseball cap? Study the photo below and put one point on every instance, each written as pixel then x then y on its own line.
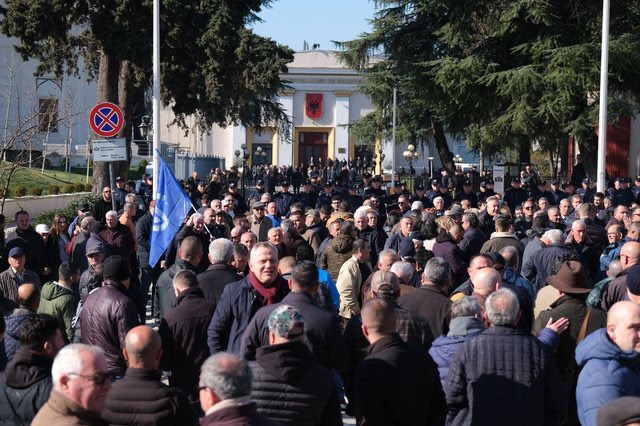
pixel 435 182
pixel 260 182
pixel 307 182
pixel 286 322
pixel 232 185
pixel 16 251
pixel 515 180
pixel 42 229
pixel 284 183
pixel 258 205
pixel 407 249
pixel 95 246
pixel 633 280
pixel 385 282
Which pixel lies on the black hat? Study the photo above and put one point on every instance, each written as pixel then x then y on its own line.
pixel 515 180
pixel 260 182
pixel 633 280
pixel 367 175
pixel 542 182
pixel 483 184
pixel 328 183
pixel 115 268
pixel 232 185
pixel 84 207
pixel 435 182
pixel 419 188
pixel 284 183
pixel 619 179
pixel 307 182
pixel 119 179
pixel 16 251
pixel 353 187
pixel 554 182
pixel 466 182
pixel 490 182
pixel 586 180
pixel 398 183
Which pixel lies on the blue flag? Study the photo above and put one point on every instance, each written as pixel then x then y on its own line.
pixel 172 206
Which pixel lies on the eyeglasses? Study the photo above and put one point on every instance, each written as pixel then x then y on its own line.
pixel 99 378
pixel 201 388
pixel 528 207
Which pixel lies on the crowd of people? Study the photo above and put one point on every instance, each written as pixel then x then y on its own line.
pixel 436 306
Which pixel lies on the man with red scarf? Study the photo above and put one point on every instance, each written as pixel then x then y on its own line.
pixel 242 299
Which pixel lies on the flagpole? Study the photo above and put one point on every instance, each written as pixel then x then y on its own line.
pixel 156 94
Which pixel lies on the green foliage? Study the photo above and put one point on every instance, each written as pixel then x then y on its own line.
pixel 88 187
pixel 142 167
pixel 36 191
pixel 54 189
pixel 70 211
pixel 21 191
pixel 68 189
pixel 498 73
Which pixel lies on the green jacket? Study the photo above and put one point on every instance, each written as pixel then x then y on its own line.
pixel 61 303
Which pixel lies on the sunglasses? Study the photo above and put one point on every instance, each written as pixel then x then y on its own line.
pixel 99 378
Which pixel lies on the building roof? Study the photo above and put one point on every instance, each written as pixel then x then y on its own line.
pixel 317 60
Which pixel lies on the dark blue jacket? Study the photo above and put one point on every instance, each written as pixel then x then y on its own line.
pixel 608 373
pixel 237 306
pixel 14 321
pixel 538 267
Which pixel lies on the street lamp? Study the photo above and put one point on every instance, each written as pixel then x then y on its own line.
pixel 242 157
pixel 145 131
pixel 409 155
pixel 259 153
pixel 431 167
pixel 458 160
pixel 381 157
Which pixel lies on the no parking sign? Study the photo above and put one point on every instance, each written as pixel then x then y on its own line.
pixel 106 119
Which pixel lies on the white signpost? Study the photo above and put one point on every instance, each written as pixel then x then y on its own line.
pixel 110 150
pixel 498 178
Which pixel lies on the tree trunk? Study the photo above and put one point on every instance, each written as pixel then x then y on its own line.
pixel 125 102
pixel 107 92
pixel 564 158
pixel 446 156
pixel 524 150
pixel 589 149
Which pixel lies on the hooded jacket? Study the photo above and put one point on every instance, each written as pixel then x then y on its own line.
pixel 339 251
pixel 14 321
pixel 291 388
pixel 60 302
pixel 444 348
pixel 608 373
pixel 25 387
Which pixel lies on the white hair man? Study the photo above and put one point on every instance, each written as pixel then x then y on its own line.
pixel 538 267
pixel 524 375
pixel 81 384
pixel 220 272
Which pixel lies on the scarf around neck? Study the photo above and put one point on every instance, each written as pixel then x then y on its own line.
pixel 269 293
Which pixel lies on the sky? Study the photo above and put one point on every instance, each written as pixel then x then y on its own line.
pixel 291 22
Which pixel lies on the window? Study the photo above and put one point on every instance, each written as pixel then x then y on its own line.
pixel 48 115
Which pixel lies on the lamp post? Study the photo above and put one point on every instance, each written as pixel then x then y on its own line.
pixel 259 153
pixel 458 160
pixel 431 167
pixel 242 156
pixel 381 157
pixel 145 131
pixel 409 154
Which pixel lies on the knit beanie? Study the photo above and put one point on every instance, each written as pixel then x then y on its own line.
pixel 116 269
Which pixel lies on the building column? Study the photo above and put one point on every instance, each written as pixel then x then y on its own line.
pixel 285 146
pixel 341 151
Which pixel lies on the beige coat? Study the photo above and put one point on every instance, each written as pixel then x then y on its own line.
pixel 61 411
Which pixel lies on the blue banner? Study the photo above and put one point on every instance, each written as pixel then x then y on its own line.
pixel 172 206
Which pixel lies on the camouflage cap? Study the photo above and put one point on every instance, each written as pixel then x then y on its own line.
pixel 286 322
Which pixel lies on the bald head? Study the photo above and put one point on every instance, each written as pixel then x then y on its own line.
pixel 630 254
pixel 623 325
pixel 29 296
pixel 486 280
pixel 143 347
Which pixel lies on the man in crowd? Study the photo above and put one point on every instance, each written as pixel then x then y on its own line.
pixel 184 334
pixel 504 363
pixel 141 397
pixel 109 313
pixel 221 272
pixel 353 273
pixel 81 383
pixel 260 224
pixel 289 385
pixel 60 298
pixel 26 383
pixel 396 383
pixel 610 361
pixel 28 302
pixel 240 300
pixel 17 274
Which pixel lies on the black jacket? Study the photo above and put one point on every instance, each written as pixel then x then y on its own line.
pixel 34 247
pixel 24 387
pixel 164 287
pixel 431 303
pixel 322 331
pixel 506 365
pixel 106 317
pixel 538 267
pixel 142 399
pixel 143 237
pixel 215 278
pixel 184 340
pixel 13 324
pixel 291 389
pixel 397 384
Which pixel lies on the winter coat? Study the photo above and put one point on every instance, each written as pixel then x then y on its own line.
pixel 164 287
pixel 184 340
pixel 397 384
pixel 244 414
pixel 339 251
pixel 24 387
pixel 60 302
pixel 290 388
pixel 143 238
pixel 538 267
pixel 213 281
pixel 79 250
pixel 607 373
pixel 611 253
pixel 238 304
pixel 448 249
pixel 507 365
pixel 107 316
pixel 444 348
pixel 322 331
pixel 13 322
pixel 61 411
pixel 472 242
pixel 140 398
pixel 376 239
pixel 433 304
pixel 9 283
pixel 499 240
pixel 349 284
pixel 89 281
pixel 32 244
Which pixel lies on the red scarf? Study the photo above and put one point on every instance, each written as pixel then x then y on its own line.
pixel 269 293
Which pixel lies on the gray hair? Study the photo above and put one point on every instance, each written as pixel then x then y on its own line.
pixel 511 256
pixel 129 206
pixel 403 270
pixel 360 214
pixel 70 361
pixel 438 199
pixel 86 222
pixel 196 216
pixel 263 244
pixel 112 213
pixel 555 236
pixel 437 271
pixel 131 198
pixel 467 306
pixel 227 375
pixel 502 307
pixel 577 223
pixel 288 226
pixel 221 251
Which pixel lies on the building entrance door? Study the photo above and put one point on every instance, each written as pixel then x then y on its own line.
pixel 312 144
